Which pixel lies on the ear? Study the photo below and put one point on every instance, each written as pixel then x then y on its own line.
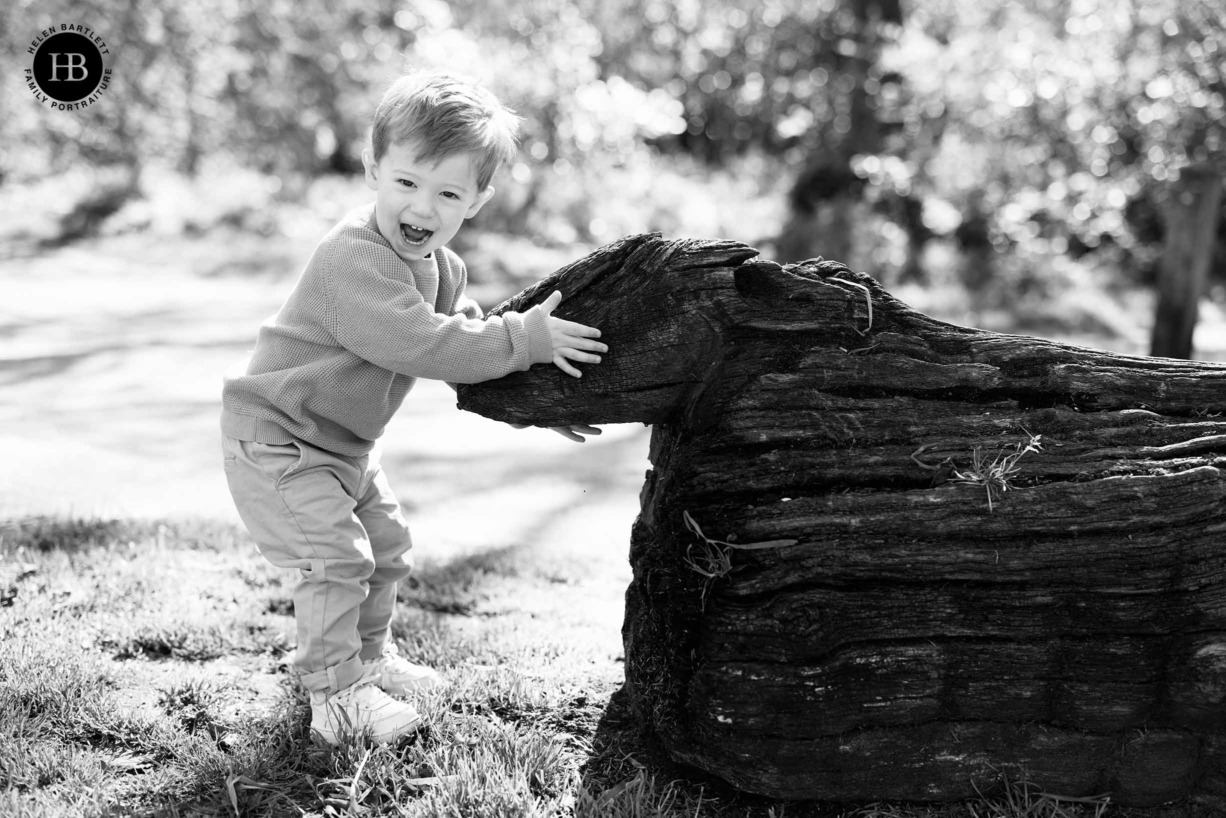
pixel 482 197
pixel 372 169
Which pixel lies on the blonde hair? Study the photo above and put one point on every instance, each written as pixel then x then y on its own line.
pixel 444 114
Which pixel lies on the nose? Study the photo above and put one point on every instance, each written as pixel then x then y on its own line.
pixel 419 203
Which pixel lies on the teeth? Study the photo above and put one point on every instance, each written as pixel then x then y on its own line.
pixel 415 235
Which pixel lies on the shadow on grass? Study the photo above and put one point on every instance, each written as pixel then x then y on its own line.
pixel 599 470
pixel 461 585
pixel 42 533
pixel 555 517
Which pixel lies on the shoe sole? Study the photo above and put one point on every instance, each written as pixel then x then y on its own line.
pixel 334 738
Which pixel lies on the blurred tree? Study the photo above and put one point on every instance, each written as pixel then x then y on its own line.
pixel 793 78
pixel 1191 219
pixel 284 87
pixel 1071 117
pixel 824 201
pixel 301 79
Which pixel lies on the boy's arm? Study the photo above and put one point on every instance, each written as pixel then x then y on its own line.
pixel 571 342
pixel 386 321
pixel 469 309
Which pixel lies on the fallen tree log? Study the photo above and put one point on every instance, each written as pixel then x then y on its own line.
pixel 882 556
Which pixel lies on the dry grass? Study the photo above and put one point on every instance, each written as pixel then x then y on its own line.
pixel 996 473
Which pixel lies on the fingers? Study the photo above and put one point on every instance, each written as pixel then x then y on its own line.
pixel 578 356
pixel 579 349
pixel 571 338
pixel 576 431
pixel 571 341
pixel 562 360
pixel 561 363
pixel 574 329
pixel 551 303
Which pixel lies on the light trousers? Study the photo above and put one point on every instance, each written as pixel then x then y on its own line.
pixel 336 521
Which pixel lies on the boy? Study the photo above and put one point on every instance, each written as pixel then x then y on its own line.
pixel 380 303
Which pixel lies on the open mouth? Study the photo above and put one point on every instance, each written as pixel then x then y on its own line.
pixel 415 235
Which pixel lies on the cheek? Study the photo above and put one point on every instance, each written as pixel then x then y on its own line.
pixel 453 212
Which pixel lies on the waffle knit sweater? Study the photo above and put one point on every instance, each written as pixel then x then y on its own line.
pixel 358 329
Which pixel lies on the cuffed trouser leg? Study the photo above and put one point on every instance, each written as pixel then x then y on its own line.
pixel 304 508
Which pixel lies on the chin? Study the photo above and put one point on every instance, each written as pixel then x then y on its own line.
pixel 408 251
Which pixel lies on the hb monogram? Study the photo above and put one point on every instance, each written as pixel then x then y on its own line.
pixel 74 63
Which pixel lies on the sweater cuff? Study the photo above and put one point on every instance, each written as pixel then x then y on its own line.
pixel 540 342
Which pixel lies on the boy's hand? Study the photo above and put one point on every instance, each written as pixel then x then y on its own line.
pixel 571 341
pixel 574 431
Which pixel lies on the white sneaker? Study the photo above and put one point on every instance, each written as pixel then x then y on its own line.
pixel 398 676
pixel 361 709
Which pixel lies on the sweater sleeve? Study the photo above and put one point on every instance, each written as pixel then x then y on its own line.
pixel 468 307
pixel 462 303
pixel 376 312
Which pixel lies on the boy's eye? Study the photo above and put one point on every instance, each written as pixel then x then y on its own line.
pixel 451 195
pixel 407 183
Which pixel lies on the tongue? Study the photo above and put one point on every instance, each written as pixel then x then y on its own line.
pixel 413 235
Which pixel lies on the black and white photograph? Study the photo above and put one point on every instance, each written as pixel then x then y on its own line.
pixel 613 409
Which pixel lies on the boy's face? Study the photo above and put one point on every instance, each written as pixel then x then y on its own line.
pixel 420 205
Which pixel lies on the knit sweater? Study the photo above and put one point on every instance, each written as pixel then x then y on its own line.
pixel 360 326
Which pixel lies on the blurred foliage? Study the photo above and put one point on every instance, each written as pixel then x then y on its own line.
pixel 1043 128
pixel 1059 128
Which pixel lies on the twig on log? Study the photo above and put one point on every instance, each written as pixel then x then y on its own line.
pixel 868 299
pixel 716 560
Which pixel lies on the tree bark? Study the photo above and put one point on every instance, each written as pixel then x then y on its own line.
pixel 1190 216
pixel 881 556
